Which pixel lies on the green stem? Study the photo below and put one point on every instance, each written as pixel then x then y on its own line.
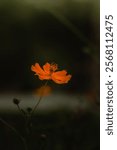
pixel 36 105
pixel 29 115
pixel 21 110
pixel 16 132
pixel 39 100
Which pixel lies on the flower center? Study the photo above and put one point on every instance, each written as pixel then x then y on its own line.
pixel 51 70
pixel 53 67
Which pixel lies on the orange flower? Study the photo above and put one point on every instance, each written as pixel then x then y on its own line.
pixel 48 72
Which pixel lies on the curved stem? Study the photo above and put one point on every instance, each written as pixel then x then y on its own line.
pixel 39 99
pixel 36 105
pixel 16 132
pixel 70 26
pixel 21 110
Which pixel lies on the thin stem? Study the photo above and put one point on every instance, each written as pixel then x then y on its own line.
pixel 39 99
pixel 70 26
pixel 21 110
pixel 36 105
pixel 29 115
pixel 16 132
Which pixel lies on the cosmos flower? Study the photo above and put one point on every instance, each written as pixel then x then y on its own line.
pixel 49 72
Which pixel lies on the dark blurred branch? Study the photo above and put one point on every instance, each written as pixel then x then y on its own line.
pixel 72 28
pixel 15 131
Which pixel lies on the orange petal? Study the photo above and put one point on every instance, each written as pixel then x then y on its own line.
pixel 61 73
pixel 60 77
pixel 37 69
pixel 47 68
pixel 68 77
pixel 44 77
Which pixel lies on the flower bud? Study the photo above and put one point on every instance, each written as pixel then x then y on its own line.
pixel 16 101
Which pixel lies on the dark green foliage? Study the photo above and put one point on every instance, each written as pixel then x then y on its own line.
pixel 55 131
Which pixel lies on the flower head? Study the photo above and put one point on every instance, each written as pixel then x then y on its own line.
pixel 48 72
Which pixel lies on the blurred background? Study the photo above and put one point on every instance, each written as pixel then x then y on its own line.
pixel 66 32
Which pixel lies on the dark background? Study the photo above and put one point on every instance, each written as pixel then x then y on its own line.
pixel 65 32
